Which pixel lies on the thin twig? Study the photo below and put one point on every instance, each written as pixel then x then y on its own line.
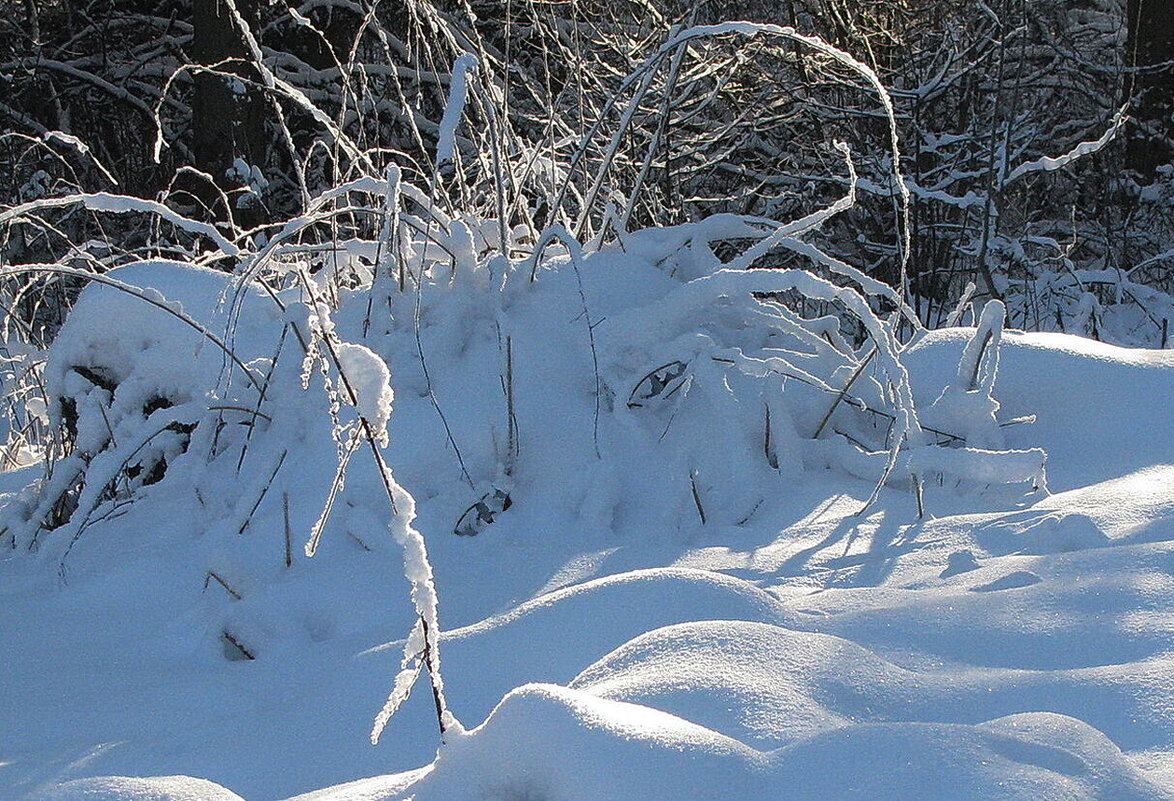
pixel 843 392
pixel 213 576
pixel 696 496
pixel 288 533
pixel 238 645
pixel 264 491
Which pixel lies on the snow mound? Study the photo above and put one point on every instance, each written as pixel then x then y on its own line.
pixel 1035 532
pixel 139 338
pixel 769 686
pixel 546 742
pixel 602 614
pixel 121 788
pixel 549 742
pixel 763 685
pixel 1095 405
pixel 1031 756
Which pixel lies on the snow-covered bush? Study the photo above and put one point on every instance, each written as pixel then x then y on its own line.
pixel 668 360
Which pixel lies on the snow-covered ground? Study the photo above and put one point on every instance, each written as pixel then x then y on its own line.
pixel 665 610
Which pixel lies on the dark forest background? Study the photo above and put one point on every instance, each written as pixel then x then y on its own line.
pixel 241 113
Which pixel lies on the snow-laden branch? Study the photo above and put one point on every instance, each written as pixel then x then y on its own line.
pixel 643 73
pixel 455 107
pixel 101 83
pixel 676 310
pixel 1048 164
pixel 801 226
pixel 751 29
pixel 122 204
pixel 82 148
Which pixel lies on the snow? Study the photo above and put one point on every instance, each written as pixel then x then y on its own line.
pixel 455 107
pixel 673 605
pixel 370 381
pixel 1094 403
pixel 163 788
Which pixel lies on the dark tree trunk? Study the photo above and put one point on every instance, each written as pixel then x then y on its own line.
pixel 228 114
pixel 1151 88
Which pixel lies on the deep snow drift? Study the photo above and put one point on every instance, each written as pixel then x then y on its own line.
pixel 682 599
